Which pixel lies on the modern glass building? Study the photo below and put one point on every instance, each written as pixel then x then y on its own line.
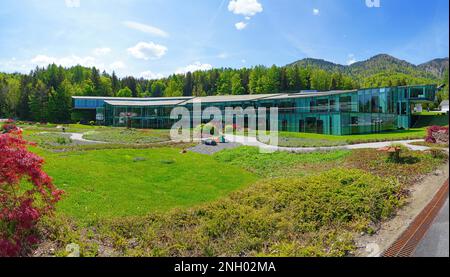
pixel 333 112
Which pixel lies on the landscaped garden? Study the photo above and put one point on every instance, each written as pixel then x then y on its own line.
pixel 155 199
pixel 286 205
pixel 291 139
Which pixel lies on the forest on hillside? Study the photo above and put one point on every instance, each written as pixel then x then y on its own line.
pixel 44 95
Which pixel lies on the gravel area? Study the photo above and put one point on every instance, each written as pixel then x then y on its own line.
pixel 210 150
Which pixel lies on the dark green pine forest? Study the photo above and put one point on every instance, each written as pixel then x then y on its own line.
pixel 44 95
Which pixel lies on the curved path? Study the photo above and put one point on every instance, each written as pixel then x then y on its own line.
pixel 252 141
pixel 79 137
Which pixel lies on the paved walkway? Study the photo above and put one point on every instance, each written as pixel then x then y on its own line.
pixel 436 241
pixel 252 141
pixel 79 137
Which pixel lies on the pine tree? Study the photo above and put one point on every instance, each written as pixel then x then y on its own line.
pixel 115 83
pixel 236 85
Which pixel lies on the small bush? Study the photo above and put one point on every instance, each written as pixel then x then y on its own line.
pixel 8 127
pixel 433 130
pixel 63 141
pixel 437 153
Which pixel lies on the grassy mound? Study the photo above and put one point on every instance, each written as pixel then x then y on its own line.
pixel 280 164
pixel 311 216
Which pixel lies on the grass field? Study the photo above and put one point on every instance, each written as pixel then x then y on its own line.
pixel 281 164
pixel 292 139
pixel 318 214
pixel 159 201
pixel 128 136
pixel 126 182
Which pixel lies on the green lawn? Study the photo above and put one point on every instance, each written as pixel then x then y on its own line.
pixel 292 139
pixel 281 164
pixel 128 136
pixel 126 182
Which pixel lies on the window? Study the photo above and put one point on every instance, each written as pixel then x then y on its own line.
pixel 320 126
pixel 331 125
pixel 322 105
pixel 417 93
pixel 311 126
pixel 375 104
pixel 284 126
pixel 404 108
pixel 312 106
pixel 287 107
pixel 390 106
pixel 345 103
pixel 367 98
pixel 332 105
pixel 361 102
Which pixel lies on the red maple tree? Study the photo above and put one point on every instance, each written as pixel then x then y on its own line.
pixel 26 193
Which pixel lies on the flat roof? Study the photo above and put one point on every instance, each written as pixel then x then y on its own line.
pixel 229 98
pixel 183 100
pixel 307 94
pixel 145 103
pixel 131 98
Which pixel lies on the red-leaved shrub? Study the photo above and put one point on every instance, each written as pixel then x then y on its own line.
pixel 9 126
pixel 433 130
pixel 26 194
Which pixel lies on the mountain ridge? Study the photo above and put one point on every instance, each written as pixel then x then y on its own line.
pixel 382 62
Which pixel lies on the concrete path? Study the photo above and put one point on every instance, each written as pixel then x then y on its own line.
pixel 79 137
pixel 436 241
pixel 252 141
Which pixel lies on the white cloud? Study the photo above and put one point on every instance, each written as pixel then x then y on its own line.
pixel 197 66
pixel 316 11
pixel 222 55
pixel 44 60
pixel 240 25
pixel 117 65
pixel 149 75
pixel 245 7
pixel 147 51
pixel 72 3
pixel 243 61
pixel 146 29
pixel 351 59
pixel 102 51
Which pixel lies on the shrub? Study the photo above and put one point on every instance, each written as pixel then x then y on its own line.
pixel 8 127
pixel 202 129
pixel 311 216
pixel 433 130
pixel 63 141
pixel 437 153
pixel 22 203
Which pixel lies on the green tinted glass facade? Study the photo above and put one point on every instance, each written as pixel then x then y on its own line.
pixel 334 113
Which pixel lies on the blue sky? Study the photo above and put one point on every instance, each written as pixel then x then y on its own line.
pixel 154 38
